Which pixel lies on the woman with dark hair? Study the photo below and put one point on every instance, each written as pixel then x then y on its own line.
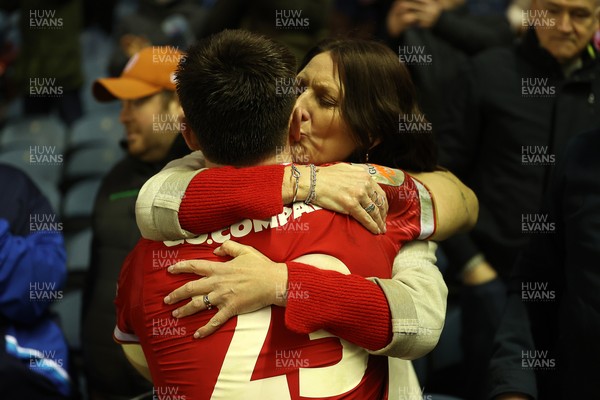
pixel 376 101
pixel 353 95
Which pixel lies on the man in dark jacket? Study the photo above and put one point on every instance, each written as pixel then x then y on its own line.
pixel 433 39
pixel 150 115
pixel 551 326
pixel 514 111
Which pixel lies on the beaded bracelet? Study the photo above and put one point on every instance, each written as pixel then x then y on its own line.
pixel 295 175
pixel 312 194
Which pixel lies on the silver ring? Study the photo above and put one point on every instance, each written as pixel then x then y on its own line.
pixel 207 302
pixel 378 200
pixel 370 207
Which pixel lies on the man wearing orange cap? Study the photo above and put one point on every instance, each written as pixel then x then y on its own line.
pixel 150 114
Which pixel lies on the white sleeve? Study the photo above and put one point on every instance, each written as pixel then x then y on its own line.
pixel 417 296
pixel 157 205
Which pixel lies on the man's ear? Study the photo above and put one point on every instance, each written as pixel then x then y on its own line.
pixel 188 135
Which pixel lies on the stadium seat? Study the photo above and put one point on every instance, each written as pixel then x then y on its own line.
pixel 78 247
pixel 69 310
pixel 96 128
pixel 41 131
pixel 50 190
pixel 40 165
pixel 78 201
pixel 91 162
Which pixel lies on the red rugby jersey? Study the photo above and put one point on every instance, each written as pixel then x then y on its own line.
pixel 254 356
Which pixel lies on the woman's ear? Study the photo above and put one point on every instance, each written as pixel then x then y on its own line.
pixel 375 142
pixel 189 135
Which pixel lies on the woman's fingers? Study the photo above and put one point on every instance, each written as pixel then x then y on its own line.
pixel 198 267
pixel 380 200
pixel 233 249
pixel 224 315
pixel 192 307
pixel 188 290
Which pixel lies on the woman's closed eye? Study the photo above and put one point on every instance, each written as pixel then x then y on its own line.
pixel 327 101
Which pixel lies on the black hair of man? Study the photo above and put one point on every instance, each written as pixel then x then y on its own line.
pixel 234 90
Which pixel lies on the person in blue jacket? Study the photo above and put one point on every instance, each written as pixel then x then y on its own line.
pixel 33 350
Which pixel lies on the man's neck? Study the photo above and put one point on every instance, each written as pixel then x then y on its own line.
pixel 276 159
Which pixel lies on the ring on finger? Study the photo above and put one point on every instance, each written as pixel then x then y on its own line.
pixel 370 207
pixel 207 302
pixel 379 200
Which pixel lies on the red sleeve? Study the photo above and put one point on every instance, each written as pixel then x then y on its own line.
pixel 348 306
pixel 219 197
pixel 411 214
pixel 123 332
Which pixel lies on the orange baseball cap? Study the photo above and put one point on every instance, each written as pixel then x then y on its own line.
pixel 149 71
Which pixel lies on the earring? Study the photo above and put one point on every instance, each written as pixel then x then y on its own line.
pixel 367 157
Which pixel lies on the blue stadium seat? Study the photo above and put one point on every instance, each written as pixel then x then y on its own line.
pixel 39 164
pixel 50 190
pixel 91 162
pixel 78 201
pixel 40 131
pixel 78 248
pixel 96 128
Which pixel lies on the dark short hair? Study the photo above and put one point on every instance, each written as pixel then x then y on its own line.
pixel 377 92
pixel 228 89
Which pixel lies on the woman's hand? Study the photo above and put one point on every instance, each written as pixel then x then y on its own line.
pixel 248 282
pixel 345 189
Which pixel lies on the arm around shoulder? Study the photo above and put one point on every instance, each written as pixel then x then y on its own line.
pixel 416 295
pixel 456 205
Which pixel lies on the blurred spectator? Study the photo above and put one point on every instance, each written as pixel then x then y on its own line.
pixel 433 38
pixel 48 69
pixel 514 110
pixel 33 352
pixel 100 13
pixel 150 114
pixel 515 13
pixel 549 332
pixel 174 23
pixel 299 24
pixel 358 18
pixel 484 7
